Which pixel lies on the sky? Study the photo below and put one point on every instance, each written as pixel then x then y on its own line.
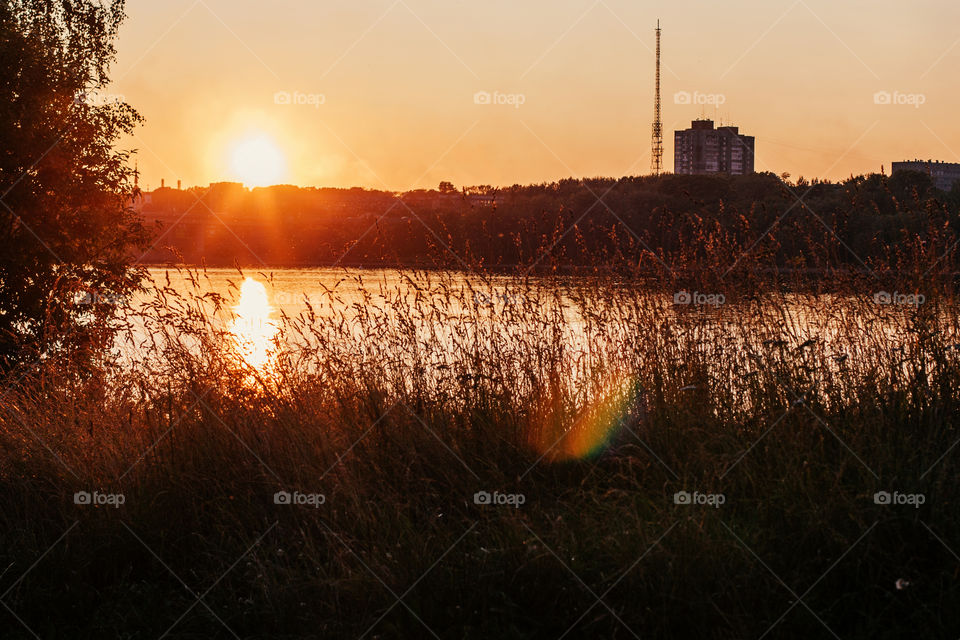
pixel 392 94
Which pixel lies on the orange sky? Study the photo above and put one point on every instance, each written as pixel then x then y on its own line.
pixel 386 88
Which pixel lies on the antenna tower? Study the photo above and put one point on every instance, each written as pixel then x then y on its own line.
pixel 656 151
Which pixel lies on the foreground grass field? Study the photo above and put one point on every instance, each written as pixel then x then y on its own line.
pixel 779 465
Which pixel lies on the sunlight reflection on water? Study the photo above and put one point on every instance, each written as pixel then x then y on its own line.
pixel 253 331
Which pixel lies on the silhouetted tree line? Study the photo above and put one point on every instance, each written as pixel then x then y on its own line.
pixel 634 222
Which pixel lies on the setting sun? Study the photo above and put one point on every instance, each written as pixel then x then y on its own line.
pixel 258 162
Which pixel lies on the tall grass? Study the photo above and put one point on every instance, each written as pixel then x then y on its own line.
pixel 399 395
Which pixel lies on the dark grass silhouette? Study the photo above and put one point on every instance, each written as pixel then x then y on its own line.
pixel 796 404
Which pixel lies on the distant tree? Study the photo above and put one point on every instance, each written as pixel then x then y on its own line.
pixel 446 187
pixel 908 186
pixel 67 231
pixel 954 194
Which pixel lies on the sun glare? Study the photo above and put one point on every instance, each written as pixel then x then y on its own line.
pixel 252 328
pixel 258 162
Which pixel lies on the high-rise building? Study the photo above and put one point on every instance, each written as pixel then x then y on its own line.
pixel 701 149
pixel 944 174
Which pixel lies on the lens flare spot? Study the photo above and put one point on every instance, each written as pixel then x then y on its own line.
pixel 599 425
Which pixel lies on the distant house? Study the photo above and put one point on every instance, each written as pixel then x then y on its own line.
pixel 943 174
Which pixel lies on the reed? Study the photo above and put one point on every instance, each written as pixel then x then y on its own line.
pixel 588 405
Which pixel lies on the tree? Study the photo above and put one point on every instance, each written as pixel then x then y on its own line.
pixel 909 186
pixel 67 230
pixel 446 187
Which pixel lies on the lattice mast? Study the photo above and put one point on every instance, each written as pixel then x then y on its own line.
pixel 656 150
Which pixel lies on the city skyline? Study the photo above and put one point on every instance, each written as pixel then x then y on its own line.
pixel 387 97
